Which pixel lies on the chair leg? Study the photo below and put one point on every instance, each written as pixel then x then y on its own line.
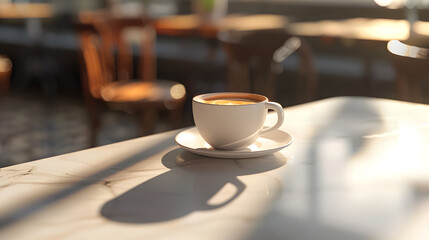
pixel 416 90
pixel 238 76
pixel 262 80
pixel 148 120
pixel 95 123
pixel 176 117
pixel 307 70
pixel 4 86
pixel 402 87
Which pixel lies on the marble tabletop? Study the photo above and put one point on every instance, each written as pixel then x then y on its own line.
pixel 358 169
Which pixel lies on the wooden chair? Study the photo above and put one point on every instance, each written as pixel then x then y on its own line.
pixel 412 68
pixel 411 73
pixel 108 78
pixel 252 63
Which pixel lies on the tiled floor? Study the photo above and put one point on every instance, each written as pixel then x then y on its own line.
pixel 32 128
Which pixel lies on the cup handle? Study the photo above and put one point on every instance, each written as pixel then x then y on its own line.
pixel 280 116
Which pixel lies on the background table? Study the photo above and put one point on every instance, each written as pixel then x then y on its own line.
pixel 355 28
pixel 365 32
pixel 358 169
pixel 193 25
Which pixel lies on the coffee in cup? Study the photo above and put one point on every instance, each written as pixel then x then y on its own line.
pixel 230 101
pixel 231 120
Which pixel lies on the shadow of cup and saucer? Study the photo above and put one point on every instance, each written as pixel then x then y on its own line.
pixel 188 186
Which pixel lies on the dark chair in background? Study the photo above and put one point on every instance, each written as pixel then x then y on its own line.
pixel 109 78
pixel 254 58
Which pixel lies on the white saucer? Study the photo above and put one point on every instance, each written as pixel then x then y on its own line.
pixel 191 140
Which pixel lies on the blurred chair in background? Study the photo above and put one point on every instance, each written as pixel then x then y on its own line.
pixel 410 56
pixel 254 59
pixel 411 63
pixel 118 36
pixel 109 77
pixel 5 72
pixel 202 22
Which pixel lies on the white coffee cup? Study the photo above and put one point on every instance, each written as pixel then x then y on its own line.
pixel 230 120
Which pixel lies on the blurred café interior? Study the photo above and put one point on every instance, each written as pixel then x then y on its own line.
pixel 78 74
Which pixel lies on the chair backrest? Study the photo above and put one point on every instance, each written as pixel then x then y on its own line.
pixel 250 59
pixel 96 73
pixel 117 46
pixel 257 49
pixel 107 53
pixel 244 45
